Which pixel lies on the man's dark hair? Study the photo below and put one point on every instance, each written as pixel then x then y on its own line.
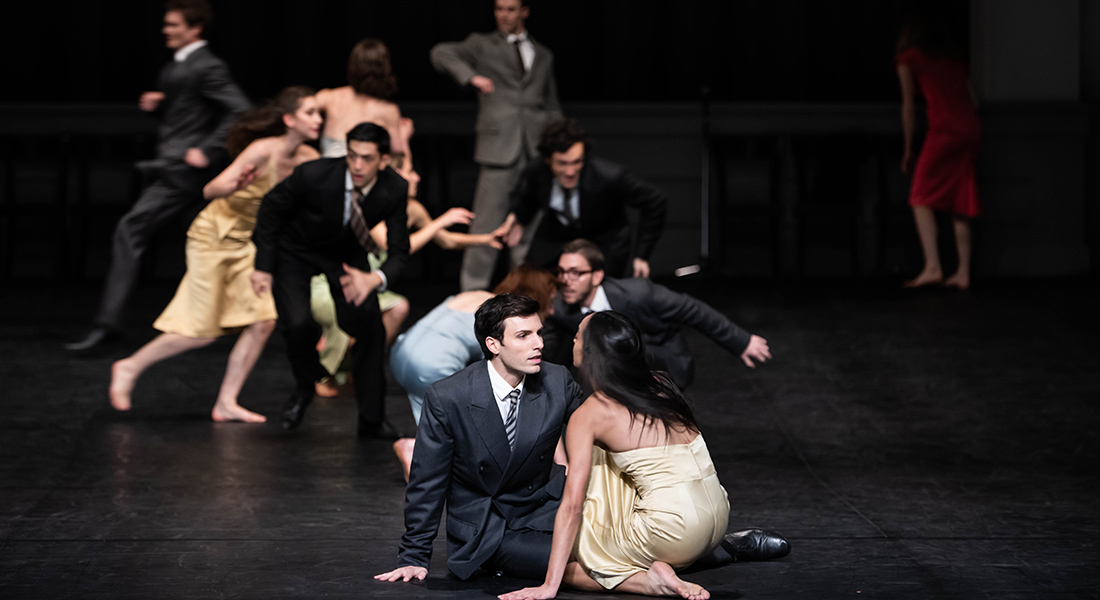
pixel 195 12
pixel 490 316
pixel 560 136
pixel 370 132
pixel 588 250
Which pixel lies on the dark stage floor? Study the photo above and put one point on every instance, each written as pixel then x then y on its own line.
pixel 910 445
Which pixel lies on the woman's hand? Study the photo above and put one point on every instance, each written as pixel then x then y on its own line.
pixel 535 593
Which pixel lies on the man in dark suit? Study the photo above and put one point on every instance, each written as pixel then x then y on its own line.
pixel 583 196
pixel 517 97
pixel 501 491
pixel 658 311
pixel 318 221
pixel 197 101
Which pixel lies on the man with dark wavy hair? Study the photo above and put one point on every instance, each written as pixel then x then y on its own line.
pixel 196 101
pixel 584 196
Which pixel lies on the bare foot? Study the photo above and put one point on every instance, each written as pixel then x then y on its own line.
pixel 123 377
pixel 235 412
pixel 662 581
pixel 403 448
pixel 925 277
pixel 958 280
pixel 327 388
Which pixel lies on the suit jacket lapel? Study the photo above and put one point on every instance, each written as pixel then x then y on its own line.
pixel 485 417
pixel 530 422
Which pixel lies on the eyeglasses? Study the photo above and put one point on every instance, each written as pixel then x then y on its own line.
pixel 571 274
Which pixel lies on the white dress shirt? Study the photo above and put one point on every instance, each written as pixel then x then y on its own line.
pixel 501 389
pixel 558 203
pixel 600 303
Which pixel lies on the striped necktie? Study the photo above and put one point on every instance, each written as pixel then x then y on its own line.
pixel 510 421
pixel 359 223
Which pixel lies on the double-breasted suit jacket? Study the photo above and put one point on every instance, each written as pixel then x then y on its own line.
pixel 462 459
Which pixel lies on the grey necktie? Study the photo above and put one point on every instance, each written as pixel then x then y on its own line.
pixel 510 421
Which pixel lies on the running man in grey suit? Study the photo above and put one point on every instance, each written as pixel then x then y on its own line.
pixel 501 491
pixel 196 101
pixel 517 97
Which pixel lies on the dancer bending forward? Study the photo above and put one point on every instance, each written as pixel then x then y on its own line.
pixel 653 502
pixel 215 297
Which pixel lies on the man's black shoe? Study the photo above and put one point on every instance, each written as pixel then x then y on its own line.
pixel 755 544
pixel 96 338
pixel 295 409
pixel 378 431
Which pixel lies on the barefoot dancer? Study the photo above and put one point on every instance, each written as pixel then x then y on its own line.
pixel 215 297
pixel 944 176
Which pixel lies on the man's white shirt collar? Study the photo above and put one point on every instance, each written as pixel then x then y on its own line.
pixel 501 389
pixel 599 303
pixel 182 54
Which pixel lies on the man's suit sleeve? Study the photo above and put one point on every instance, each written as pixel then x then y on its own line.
pixel 274 208
pixel 553 105
pixel 457 59
pixel 652 208
pixel 429 483
pixel 682 309
pixel 525 200
pixel 218 87
pixel 397 232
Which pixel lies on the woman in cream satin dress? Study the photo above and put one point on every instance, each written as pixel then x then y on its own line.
pixel 215 297
pixel 642 497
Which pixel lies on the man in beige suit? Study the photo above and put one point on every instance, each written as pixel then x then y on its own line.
pixel 517 97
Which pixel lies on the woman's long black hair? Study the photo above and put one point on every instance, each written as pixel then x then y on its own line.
pixel 615 364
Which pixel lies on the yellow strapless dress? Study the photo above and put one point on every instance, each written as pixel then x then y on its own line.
pixel 215 296
pixel 661 503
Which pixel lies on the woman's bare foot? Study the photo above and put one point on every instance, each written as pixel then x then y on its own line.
pixel 327 388
pixel 662 580
pixel 403 448
pixel 123 377
pixel 925 277
pixel 958 280
pixel 235 412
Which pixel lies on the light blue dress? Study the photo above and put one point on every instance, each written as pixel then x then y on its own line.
pixel 437 346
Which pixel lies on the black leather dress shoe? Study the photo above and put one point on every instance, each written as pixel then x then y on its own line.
pixel 295 408
pixel 96 338
pixel 378 431
pixel 755 544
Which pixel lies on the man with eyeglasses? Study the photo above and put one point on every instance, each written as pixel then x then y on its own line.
pixel 584 196
pixel 658 311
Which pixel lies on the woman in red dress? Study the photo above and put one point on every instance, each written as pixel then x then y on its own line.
pixel 943 179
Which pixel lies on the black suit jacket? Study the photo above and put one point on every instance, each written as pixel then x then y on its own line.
pixel 659 312
pixel 200 102
pixel 606 190
pixel 305 214
pixel 462 459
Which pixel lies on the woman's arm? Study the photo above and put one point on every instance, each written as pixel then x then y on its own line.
pixel 908 114
pixel 579 439
pixel 241 172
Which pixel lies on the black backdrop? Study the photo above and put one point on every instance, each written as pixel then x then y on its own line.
pixel 607 51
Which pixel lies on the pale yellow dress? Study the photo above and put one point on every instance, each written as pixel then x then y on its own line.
pixel 660 503
pixel 215 296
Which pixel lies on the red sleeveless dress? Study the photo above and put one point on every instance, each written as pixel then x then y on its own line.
pixel 944 176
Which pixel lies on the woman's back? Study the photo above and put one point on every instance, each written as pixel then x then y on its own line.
pixel 344 109
pixel 621 432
